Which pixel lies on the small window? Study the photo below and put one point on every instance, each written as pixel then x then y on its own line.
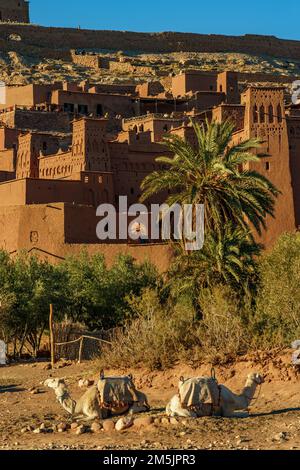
pixel 100 180
pixel 262 114
pixel 99 110
pixel 132 190
pixel 86 179
pixel 68 107
pixel 271 114
pixel 279 113
pixel 83 109
pixel 268 166
pixel 255 114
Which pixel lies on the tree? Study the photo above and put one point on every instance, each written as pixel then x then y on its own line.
pixel 227 258
pixel 214 174
pixel 97 294
pixel 277 317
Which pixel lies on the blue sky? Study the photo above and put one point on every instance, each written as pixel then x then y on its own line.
pixel 271 17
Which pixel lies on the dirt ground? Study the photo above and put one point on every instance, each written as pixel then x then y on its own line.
pixel 274 421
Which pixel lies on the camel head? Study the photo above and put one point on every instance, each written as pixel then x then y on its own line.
pixel 255 378
pixel 54 383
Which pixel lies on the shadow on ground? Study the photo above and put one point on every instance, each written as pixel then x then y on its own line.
pixel 10 389
pixel 275 412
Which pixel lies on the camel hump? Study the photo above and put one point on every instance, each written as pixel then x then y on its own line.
pixel 198 391
pixel 116 391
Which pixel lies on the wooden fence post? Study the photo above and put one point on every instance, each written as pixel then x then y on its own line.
pixel 52 345
pixel 80 350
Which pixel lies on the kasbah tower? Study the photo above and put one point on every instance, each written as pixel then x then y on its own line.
pixel 66 147
pixel 14 11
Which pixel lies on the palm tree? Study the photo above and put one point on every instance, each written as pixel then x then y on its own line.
pixel 227 259
pixel 214 174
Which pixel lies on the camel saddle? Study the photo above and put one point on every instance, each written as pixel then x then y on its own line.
pixel 198 394
pixel 115 392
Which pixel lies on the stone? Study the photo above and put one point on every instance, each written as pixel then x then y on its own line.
pixel 143 422
pixel 109 426
pixel 124 423
pixel 37 431
pixel 74 426
pixel 174 421
pixel 165 421
pixel 62 427
pixel 96 427
pixel 80 430
pixel 282 436
pixel 47 367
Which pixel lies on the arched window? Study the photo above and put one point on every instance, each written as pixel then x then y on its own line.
pixel 279 113
pixel 271 114
pixel 141 129
pixel 262 114
pixel 255 114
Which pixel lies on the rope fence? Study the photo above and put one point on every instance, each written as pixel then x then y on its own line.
pixel 80 340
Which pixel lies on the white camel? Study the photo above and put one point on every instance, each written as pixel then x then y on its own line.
pixel 88 405
pixel 227 405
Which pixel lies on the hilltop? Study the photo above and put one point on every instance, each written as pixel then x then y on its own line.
pixel 38 54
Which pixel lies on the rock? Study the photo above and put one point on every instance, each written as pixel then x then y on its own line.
pixel 74 426
pixel 157 421
pixel 109 426
pixel 282 436
pixel 124 423
pixel 42 427
pixel 62 427
pixel 165 421
pixel 174 421
pixel 37 431
pixel 96 427
pixel 80 430
pixel 143 422
pixel 47 367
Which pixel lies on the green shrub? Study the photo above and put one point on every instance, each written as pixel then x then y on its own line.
pixel 277 317
pixel 153 338
pixel 223 332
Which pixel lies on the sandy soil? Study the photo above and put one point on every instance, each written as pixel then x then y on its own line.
pixel 274 422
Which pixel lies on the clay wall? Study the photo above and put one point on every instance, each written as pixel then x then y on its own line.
pixel 264 119
pixel 91 190
pixel 7 160
pixel 293 125
pixel 97 104
pixel 23 118
pixel 14 10
pixel 192 82
pixel 234 113
pixel 24 228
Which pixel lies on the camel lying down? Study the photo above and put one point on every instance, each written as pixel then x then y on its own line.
pixel 111 396
pixel 204 397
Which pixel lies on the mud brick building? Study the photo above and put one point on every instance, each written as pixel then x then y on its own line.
pixel 14 11
pixel 65 148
